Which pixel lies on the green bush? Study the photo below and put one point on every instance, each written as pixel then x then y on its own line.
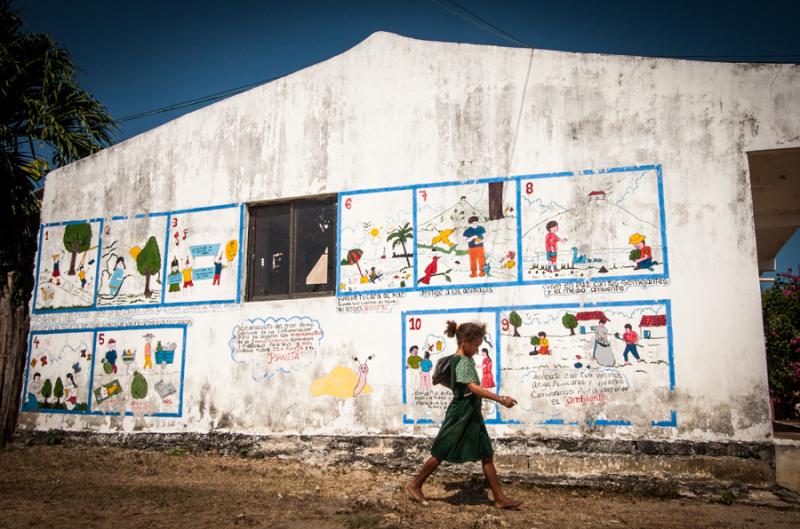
pixel 781 306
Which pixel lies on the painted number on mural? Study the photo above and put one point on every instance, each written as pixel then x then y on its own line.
pixel 36 342
pixel 415 323
pixel 348 203
pixel 101 338
pixel 424 195
pixel 504 323
pixel 529 188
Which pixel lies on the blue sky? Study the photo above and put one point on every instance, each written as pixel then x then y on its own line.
pixel 145 55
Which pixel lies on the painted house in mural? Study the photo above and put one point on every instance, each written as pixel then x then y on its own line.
pixel 285 261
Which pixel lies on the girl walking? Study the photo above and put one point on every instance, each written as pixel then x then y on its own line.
pixel 463 436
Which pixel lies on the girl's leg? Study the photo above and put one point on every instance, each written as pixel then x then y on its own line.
pixel 501 501
pixel 415 486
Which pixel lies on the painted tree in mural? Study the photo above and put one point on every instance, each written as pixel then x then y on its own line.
pixel 516 321
pixel 148 263
pixel 58 390
pixel 399 237
pixel 42 110
pixel 47 389
pixel 77 238
pixel 570 322
pixel 496 200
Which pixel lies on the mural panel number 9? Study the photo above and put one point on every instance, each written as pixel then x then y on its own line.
pixel 415 324
pixel 504 324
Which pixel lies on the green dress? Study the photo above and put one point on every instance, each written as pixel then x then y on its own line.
pixel 463 436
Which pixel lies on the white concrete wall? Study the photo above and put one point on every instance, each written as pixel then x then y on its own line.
pixel 398 112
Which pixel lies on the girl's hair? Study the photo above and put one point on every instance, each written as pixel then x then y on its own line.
pixel 120 260
pixel 466 331
pixel 71 378
pixel 542 333
pixel 427 355
pixel 628 326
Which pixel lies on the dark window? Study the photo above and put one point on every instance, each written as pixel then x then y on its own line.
pixel 292 249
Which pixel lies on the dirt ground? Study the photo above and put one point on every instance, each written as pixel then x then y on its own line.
pixel 69 486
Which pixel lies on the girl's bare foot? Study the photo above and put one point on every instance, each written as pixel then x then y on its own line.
pixel 415 492
pixel 506 503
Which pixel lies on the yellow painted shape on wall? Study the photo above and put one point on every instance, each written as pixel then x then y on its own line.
pixel 340 383
pixel 230 249
pixel 135 251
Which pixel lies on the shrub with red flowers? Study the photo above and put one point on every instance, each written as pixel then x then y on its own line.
pixel 781 305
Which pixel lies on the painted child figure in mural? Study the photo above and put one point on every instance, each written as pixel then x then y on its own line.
pixel 631 342
pixel 111 355
pixel 148 351
pixel 544 345
pixel 174 276
pixel 56 274
pixel 413 363
pixel 474 236
pixel 187 274
pixel 463 436
pixel 425 367
pixel 551 241
pixel 217 269
pixel 115 283
pixel 34 389
pixel 82 276
pixel 645 254
pixel 487 380
pixel 70 392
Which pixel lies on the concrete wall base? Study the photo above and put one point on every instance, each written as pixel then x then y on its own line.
pixel 741 472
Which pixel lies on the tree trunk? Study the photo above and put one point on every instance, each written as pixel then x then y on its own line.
pixel 13 344
pixel 147 292
pixel 572 331
pixel 516 333
pixel 72 261
pixel 405 252
pixel 496 201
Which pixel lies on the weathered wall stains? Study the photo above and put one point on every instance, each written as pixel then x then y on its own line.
pixel 400 113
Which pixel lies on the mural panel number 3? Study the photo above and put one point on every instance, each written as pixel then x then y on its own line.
pixel 132 370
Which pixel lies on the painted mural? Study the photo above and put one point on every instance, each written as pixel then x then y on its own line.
pixel 344 382
pixel 603 363
pixel 131 261
pixel 604 225
pixel 67 265
pixel 376 241
pixel 466 234
pixel 424 343
pixel 202 261
pixel 58 372
pixel 138 370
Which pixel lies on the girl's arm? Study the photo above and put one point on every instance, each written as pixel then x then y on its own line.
pixel 508 402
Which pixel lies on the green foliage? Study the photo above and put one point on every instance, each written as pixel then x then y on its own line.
pixel 727 498
pixel 77 237
pixel 54 437
pixel 781 314
pixel 138 386
pixel 534 340
pixel 58 390
pixel 569 321
pixel 47 389
pixel 148 262
pixel 107 367
pixel 400 236
pixel 515 319
pixel 635 254
pixel 41 107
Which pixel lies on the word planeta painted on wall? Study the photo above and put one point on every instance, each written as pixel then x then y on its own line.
pixel 110 370
pixel 67 265
pixel 376 244
pixel 131 261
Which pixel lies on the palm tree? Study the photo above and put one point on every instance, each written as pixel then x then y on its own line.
pixel 400 236
pixel 42 108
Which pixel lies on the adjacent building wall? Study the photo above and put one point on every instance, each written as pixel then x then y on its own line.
pixel 614 149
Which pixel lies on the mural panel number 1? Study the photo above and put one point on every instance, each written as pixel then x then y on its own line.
pixel 67 265
pixel 203 256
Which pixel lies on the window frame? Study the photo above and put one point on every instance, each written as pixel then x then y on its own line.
pixel 293 231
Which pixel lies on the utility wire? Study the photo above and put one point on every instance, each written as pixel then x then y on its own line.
pixel 471 16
